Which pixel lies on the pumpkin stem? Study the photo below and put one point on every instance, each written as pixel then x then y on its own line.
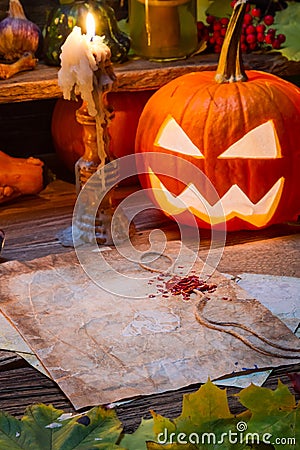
pixel 230 68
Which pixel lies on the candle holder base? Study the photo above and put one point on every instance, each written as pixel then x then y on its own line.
pixel 105 228
pixel 105 222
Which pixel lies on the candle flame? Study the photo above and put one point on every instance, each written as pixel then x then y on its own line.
pixel 90 26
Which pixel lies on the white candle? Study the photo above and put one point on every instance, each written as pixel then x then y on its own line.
pixel 81 56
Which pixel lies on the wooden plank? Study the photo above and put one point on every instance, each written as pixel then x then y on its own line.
pixel 49 213
pixel 133 75
pixel 10 360
pixel 39 84
pixel 23 386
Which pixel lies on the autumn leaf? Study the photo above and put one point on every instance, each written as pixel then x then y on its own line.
pixel 287 22
pixel 275 414
pixel 258 398
pixel 10 432
pixel 220 8
pixel 41 428
pixel 137 440
pixel 202 6
pixel 208 404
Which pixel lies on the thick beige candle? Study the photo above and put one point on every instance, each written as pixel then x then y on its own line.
pixel 82 55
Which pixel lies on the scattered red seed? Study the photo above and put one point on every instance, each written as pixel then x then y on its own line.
pixel 186 285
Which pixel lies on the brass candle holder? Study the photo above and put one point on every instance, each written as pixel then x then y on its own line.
pixel 94 174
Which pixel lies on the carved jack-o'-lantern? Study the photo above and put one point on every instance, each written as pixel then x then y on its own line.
pixel 240 128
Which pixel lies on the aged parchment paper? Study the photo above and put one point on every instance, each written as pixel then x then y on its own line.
pixel 101 347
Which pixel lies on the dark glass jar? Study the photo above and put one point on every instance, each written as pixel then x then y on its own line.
pixel 163 29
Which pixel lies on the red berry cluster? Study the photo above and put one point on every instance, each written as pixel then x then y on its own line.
pixel 256 34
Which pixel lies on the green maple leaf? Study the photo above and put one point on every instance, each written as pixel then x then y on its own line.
pixel 287 22
pixel 41 429
pixel 202 7
pixel 10 432
pixel 137 440
pixel 219 8
pixel 275 414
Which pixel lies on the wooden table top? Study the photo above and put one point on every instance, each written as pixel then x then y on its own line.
pixel 137 74
pixel 31 225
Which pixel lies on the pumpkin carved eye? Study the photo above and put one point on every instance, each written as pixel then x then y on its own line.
pixel 261 142
pixel 172 137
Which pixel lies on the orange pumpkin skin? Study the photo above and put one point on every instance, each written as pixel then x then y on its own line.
pixel 215 116
pixel 67 132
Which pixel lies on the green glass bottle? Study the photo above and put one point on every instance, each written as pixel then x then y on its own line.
pixel 69 13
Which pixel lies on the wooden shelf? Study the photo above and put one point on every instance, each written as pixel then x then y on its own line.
pixel 41 83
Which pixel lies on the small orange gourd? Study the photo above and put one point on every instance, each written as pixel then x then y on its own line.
pixel 19 176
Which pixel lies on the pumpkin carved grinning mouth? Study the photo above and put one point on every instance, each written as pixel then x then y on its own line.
pixel 223 210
